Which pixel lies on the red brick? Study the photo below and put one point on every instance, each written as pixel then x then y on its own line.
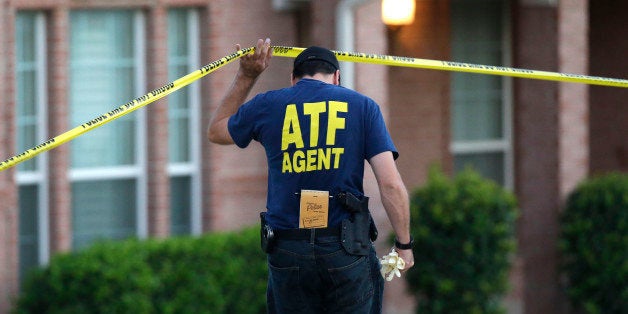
pixel 8 191
pixel 59 158
pixel 157 125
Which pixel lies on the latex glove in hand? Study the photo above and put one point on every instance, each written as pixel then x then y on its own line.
pixel 392 265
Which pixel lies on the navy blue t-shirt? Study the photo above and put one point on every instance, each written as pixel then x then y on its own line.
pixel 317 137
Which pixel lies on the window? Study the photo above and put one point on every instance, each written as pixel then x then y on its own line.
pixel 183 124
pixel 481 114
pixel 31 130
pixel 107 164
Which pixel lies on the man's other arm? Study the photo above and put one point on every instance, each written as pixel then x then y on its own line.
pixel 395 200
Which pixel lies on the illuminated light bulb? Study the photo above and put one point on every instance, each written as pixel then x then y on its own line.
pixel 398 12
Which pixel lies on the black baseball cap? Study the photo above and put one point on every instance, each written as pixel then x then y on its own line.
pixel 316 53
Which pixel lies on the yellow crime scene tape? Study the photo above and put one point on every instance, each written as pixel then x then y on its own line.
pixel 292 52
pixel 460 67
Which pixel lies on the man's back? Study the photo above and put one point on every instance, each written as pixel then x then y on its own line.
pixel 317 137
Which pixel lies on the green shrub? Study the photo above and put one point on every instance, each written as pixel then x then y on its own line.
pixel 594 244
pixel 215 273
pixel 81 283
pixel 464 234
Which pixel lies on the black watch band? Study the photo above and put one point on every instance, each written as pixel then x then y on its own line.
pixel 405 246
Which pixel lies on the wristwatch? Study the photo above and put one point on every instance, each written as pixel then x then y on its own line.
pixel 405 246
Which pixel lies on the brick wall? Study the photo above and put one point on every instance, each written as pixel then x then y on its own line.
pixel 419 110
pixel 323 23
pixel 8 191
pixel 573 99
pixel 551 141
pixel 58 122
pixel 536 119
pixel 157 124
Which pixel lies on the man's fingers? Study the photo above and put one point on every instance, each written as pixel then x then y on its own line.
pixel 263 52
pixel 253 64
pixel 260 46
pixel 269 51
pixel 263 46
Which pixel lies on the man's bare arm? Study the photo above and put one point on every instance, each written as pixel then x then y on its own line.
pixel 395 200
pixel 251 66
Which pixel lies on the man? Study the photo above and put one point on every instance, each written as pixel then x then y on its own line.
pixel 316 135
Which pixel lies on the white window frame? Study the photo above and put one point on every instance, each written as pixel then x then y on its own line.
pixel 192 168
pixel 503 145
pixel 40 176
pixel 136 171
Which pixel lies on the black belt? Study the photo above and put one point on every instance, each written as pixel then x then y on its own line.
pixel 306 234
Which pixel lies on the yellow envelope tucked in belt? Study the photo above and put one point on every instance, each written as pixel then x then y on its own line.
pixel 314 209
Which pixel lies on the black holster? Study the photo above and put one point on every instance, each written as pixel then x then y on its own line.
pixel 267 236
pixel 359 231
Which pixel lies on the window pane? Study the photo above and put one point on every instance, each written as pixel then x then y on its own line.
pixel 102 73
pixel 26 34
pixel 29 235
pixel 179 102
pixel 178 33
pixel 477 109
pixel 180 191
pixel 489 165
pixel 103 210
pixel 27 86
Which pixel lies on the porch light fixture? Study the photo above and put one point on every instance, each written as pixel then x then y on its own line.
pixel 398 12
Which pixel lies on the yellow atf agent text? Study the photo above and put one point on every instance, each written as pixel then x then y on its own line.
pixel 314 158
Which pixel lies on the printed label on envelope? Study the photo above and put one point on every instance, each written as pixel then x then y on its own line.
pixel 314 209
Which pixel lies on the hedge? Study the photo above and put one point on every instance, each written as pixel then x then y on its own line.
pixel 215 273
pixel 464 232
pixel 594 244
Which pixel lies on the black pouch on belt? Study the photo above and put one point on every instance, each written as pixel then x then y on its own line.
pixel 359 230
pixel 267 236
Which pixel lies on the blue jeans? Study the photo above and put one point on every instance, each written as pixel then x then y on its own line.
pixel 321 277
